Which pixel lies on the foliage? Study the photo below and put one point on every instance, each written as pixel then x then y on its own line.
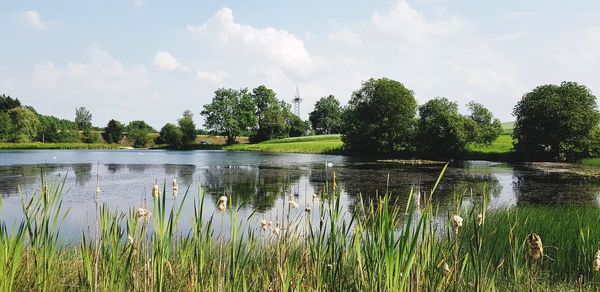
pixel 487 128
pixel 138 137
pixel 8 103
pixel 170 135
pixel 113 133
pixel 326 118
pixel 139 124
pixel 54 130
pixel 83 118
pixel 188 128
pixel 271 115
pixel 90 137
pixel 297 127
pixel 6 127
pixel 555 122
pixel 380 118
pixel 24 124
pixel 442 131
pixel 230 113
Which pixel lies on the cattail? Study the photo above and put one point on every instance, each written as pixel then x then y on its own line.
pixel 479 219
pixel 596 265
pixel 334 184
pixel 175 188
pixel 155 191
pixel 293 204
pixel 223 200
pixel 307 209
pixel 222 207
pixel 314 195
pixel 536 249
pixel 129 239
pixel 144 214
pixel 457 222
pixel 276 230
pixel 265 224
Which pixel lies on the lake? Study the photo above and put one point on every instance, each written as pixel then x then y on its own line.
pixel 261 181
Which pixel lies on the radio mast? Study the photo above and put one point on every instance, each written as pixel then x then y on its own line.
pixel 297 101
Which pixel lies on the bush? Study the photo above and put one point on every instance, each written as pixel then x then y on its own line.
pixel 113 133
pixel 170 135
pixel 90 137
pixel 138 138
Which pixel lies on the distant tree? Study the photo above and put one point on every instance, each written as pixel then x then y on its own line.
pixel 188 128
pixel 6 127
pixel 90 137
pixel 139 124
pixel 379 118
pixel 7 103
pixel 442 130
pixel 83 118
pixel 326 118
pixel 297 127
pixel 487 128
pixel 230 113
pixel 113 133
pixel 169 134
pixel 271 115
pixel 138 137
pixel 555 122
pixel 24 124
pixel 48 130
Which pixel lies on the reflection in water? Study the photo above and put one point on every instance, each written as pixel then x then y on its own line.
pixel 260 181
pixel 549 188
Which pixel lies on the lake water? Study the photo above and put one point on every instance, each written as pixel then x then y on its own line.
pixel 261 180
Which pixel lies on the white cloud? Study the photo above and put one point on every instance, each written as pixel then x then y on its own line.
pixel 511 36
pixel 165 61
pixel 346 36
pixel 515 14
pixel 215 77
pixel 33 20
pixel 273 45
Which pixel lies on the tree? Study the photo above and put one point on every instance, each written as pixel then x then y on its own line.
pixel 6 127
pixel 7 103
pixel 113 133
pixel 487 128
pixel 138 137
pixel 270 113
pixel 326 118
pixel 555 122
pixel 380 118
pixel 230 113
pixel 170 134
pixel 442 130
pixel 188 128
pixel 90 137
pixel 83 118
pixel 139 124
pixel 24 124
pixel 296 126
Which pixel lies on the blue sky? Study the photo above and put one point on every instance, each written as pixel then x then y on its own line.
pixel 143 59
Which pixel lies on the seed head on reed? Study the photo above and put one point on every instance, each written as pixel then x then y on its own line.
pixel 175 188
pixel 129 239
pixel 222 200
pixel 536 248
pixel 155 191
pixel 445 267
pixel 314 196
pixel 596 264
pixel 479 219
pixel 276 229
pixel 265 224
pixel 222 207
pixel 307 209
pixel 143 214
pixel 293 204
pixel 457 222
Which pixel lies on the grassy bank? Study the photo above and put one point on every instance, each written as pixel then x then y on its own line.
pixel 380 247
pixel 308 144
pixel 40 145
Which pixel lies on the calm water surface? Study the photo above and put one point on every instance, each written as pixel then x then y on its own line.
pixel 261 180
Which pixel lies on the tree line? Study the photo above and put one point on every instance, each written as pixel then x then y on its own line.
pixel 382 117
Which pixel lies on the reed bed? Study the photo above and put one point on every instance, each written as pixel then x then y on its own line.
pixel 377 246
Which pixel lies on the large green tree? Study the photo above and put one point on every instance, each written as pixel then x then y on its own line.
pixel 487 128
pixel 556 122
pixel 442 130
pixel 113 132
pixel 188 128
pixel 170 135
pixel 24 124
pixel 230 113
pixel 380 118
pixel 83 118
pixel 326 118
pixel 270 114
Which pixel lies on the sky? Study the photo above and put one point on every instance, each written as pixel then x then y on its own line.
pixel 151 60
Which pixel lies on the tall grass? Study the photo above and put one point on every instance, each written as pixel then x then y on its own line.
pixel 377 246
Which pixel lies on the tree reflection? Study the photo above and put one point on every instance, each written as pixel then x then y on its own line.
pixel 83 173
pixel 533 186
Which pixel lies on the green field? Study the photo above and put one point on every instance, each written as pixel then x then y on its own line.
pixel 308 144
pixel 503 144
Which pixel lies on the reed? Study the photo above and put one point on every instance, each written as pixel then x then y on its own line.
pixel 377 246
